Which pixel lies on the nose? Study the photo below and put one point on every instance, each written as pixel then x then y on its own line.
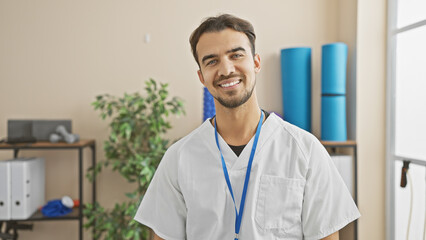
pixel 226 67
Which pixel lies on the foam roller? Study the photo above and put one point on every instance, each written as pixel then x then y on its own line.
pixel 208 105
pixel 333 68
pixel 296 86
pixel 333 118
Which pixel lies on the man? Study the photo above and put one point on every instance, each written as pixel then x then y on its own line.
pixel 244 174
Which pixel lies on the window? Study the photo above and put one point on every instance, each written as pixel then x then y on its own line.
pixel 408 79
pixel 410 94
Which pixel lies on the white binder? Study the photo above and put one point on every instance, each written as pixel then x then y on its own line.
pixel 27 187
pixel 5 197
pixel 345 166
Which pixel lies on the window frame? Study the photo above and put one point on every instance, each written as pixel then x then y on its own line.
pixel 391 157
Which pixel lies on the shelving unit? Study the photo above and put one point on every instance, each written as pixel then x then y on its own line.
pixel 332 147
pixel 12 226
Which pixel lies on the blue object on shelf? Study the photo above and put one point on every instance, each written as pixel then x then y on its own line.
pixel 296 86
pixel 208 106
pixel 333 118
pixel 333 68
pixel 55 208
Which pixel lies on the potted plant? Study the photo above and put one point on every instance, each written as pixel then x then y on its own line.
pixel 134 148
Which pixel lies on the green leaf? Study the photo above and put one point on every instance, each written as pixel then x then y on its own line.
pixel 154 83
pixel 130 234
pixel 123 111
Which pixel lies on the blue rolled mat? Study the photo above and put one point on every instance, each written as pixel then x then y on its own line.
pixel 208 105
pixel 333 68
pixel 333 118
pixel 296 86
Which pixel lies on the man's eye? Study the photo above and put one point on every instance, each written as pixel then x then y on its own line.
pixel 237 55
pixel 211 62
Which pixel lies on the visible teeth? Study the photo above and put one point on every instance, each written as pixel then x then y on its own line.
pixel 230 84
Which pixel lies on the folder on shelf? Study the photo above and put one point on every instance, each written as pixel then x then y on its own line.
pixel 5 196
pixel 345 166
pixel 27 186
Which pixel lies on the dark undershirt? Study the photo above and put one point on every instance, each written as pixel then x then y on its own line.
pixel 238 149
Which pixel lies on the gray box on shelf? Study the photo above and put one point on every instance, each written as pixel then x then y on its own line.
pixel 19 128
pixel 42 129
pixel 39 130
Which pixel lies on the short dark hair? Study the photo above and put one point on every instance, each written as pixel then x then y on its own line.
pixel 219 23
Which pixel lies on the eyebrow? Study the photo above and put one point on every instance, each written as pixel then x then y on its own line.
pixel 237 49
pixel 205 58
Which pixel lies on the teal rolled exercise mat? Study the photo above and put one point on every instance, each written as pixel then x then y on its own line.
pixel 208 105
pixel 296 86
pixel 333 118
pixel 333 89
pixel 333 68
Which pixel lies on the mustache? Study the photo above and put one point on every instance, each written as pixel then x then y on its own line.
pixel 233 75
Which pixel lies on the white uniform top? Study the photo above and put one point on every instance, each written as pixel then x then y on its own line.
pixel 295 191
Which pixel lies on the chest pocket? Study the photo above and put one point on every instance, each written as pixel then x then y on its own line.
pixel 279 205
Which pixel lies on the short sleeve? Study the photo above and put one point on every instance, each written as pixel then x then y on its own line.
pixel 163 207
pixel 328 205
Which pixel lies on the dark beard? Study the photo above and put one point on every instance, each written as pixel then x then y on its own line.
pixel 237 102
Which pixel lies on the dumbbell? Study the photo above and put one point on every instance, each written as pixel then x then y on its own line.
pixel 62 134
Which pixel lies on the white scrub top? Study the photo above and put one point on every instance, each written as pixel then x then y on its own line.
pixel 295 191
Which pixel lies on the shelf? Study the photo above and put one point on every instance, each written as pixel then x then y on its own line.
pixel 38 216
pixel 332 147
pixel 48 145
pixel 77 213
pixel 348 143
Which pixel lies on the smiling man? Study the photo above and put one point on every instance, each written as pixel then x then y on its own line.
pixel 243 174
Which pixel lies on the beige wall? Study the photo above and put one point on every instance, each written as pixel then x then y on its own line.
pixel 347 33
pixel 370 132
pixel 56 56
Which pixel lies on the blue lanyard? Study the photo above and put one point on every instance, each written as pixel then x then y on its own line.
pixel 239 216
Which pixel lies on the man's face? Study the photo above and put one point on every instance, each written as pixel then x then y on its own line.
pixel 227 66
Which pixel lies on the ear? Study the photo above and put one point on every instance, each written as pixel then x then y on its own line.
pixel 257 63
pixel 200 76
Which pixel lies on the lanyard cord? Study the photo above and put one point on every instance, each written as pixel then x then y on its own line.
pixel 247 178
